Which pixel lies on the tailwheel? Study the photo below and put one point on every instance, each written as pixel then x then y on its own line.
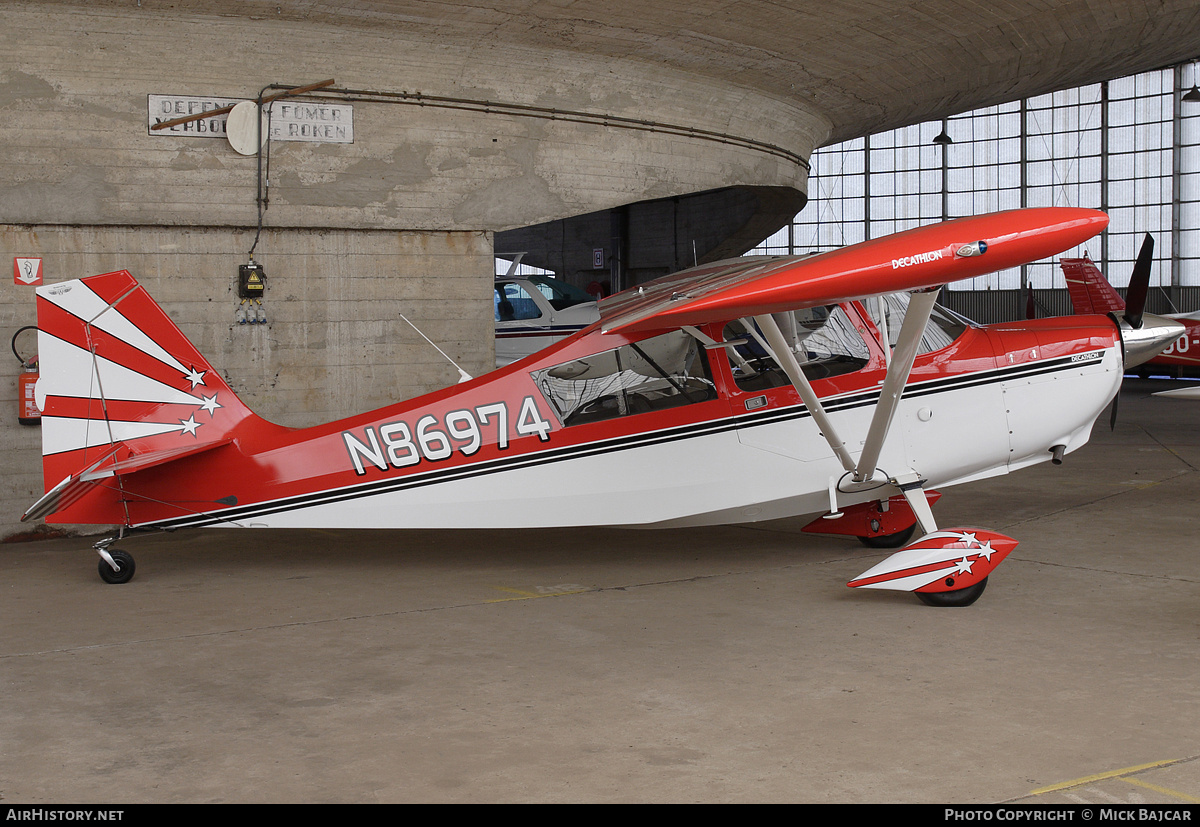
pixel 958 597
pixel 121 568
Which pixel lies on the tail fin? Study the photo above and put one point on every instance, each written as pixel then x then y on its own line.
pixel 1090 291
pixel 121 389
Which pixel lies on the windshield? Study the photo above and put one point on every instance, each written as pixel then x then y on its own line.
pixel 943 328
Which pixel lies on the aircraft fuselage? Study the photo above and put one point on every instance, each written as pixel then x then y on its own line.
pixel 686 436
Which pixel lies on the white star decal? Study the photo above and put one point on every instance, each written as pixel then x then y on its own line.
pixel 189 425
pixel 969 538
pixel 964 566
pixel 210 404
pixel 986 551
pixel 196 377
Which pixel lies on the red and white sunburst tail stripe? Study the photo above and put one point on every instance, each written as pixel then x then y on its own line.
pixel 121 387
pixel 942 561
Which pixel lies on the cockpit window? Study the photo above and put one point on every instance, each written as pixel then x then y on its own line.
pixel 943 328
pixel 824 340
pixel 666 371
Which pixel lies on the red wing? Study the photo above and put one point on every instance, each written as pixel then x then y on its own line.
pixel 913 260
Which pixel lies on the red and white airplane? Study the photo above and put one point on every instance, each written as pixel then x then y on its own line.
pixel 1091 293
pixel 746 390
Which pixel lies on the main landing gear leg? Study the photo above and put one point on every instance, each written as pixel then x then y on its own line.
pixel 913 489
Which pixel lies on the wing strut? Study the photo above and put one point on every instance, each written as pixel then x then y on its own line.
pixel 787 360
pixel 920 307
pixel 900 364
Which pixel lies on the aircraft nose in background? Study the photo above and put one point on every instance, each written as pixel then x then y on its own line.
pixel 1144 343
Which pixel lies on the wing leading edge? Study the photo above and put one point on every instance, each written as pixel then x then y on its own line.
pixel 912 260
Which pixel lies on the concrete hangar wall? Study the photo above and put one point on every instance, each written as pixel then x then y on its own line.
pixel 400 220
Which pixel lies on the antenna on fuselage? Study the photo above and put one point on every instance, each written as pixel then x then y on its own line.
pixel 463 376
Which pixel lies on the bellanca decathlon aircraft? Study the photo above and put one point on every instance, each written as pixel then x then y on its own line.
pixel 750 389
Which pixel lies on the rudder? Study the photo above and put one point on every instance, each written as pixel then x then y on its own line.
pixel 1090 291
pixel 119 379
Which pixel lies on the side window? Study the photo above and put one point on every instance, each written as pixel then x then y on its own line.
pixel 513 303
pixel 942 330
pixel 560 294
pixel 666 371
pixel 826 343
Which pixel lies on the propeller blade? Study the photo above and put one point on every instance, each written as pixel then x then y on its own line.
pixel 1139 282
pixel 1112 417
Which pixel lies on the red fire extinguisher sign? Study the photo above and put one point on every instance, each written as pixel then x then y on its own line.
pixel 27 271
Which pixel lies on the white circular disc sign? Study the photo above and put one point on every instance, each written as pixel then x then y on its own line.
pixel 242 129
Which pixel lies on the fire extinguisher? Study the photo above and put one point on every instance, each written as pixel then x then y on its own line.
pixel 27 409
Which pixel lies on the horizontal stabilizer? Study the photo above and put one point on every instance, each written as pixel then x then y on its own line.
pixel 72 488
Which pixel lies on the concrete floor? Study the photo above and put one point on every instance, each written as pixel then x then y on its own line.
pixel 720 665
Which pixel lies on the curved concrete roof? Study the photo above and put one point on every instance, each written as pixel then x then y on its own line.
pixel 864 65
pixel 480 116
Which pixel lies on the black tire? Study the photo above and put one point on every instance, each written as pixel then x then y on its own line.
pixel 122 559
pixel 958 597
pixel 895 540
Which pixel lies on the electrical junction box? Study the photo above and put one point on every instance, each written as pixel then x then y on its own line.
pixel 252 281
